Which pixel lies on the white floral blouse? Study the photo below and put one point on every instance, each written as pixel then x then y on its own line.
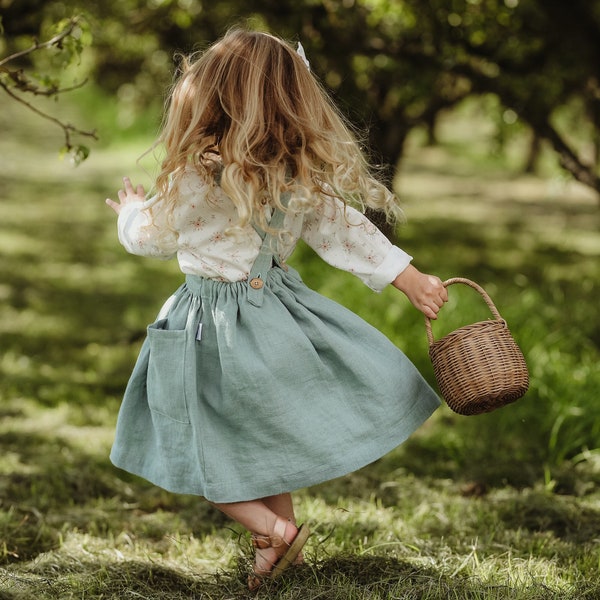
pixel 342 236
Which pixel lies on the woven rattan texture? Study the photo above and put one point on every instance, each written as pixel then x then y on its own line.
pixel 479 367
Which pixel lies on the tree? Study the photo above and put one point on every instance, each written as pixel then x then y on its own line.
pixel 393 64
pixel 66 42
pixel 538 57
pixel 403 61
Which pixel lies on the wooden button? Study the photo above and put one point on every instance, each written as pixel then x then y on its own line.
pixel 256 283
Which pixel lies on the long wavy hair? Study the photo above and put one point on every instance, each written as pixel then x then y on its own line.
pixel 249 113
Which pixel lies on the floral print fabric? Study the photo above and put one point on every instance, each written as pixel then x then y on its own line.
pixel 198 236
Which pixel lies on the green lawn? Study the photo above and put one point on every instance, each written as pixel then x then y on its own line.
pixel 505 505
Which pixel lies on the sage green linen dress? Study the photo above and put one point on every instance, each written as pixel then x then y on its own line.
pixel 245 389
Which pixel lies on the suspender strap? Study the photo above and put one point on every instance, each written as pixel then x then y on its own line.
pixel 266 256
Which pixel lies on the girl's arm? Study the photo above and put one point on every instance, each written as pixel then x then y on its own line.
pixel 346 239
pixel 138 233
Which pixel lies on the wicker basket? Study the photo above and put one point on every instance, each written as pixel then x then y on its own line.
pixel 478 367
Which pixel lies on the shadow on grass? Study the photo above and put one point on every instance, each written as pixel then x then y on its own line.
pixel 57 487
pixel 55 470
pixel 44 494
pixel 339 578
pixel 74 307
pixel 564 517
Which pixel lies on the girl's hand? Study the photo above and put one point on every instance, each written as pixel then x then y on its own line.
pixel 127 196
pixel 426 292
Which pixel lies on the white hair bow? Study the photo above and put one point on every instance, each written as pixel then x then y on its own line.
pixel 302 54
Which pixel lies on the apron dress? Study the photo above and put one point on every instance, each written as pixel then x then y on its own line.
pixel 253 388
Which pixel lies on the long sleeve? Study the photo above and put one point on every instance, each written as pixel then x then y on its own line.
pixel 139 235
pixel 347 240
pixel 198 236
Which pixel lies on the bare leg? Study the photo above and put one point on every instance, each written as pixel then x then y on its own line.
pixel 277 531
pixel 282 505
pixel 254 515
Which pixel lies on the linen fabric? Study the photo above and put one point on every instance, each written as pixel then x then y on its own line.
pixel 270 399
pixel 254 387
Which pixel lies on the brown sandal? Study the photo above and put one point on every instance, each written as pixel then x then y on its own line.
pixel 287 552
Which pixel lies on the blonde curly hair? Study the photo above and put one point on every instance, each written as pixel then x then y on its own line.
pixel 249 113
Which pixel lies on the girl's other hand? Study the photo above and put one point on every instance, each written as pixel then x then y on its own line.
pixel 127 196
pixel 426 292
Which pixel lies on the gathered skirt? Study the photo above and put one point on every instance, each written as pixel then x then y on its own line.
pixel 233 401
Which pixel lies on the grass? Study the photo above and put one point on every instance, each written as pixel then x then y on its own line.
pixel 500 506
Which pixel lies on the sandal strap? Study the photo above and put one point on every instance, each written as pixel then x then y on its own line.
pixel 286 558
pixel 260 541
pixel 271 541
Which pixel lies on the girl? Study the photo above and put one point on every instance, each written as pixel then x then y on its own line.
pixel 249 385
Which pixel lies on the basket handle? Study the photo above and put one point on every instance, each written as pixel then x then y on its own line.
pixel 476 287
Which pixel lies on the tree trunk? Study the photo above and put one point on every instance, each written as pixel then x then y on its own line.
pixel 535 147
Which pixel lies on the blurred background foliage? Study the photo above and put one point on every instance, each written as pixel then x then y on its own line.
pixel 393 65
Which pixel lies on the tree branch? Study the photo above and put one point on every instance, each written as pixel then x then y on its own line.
pixel 15 81
pixel 540 123
pixel 567 157
pixel 55 41
pixel 24 84
pixel 67 128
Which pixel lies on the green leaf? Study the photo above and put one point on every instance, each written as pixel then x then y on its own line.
pixel 79 153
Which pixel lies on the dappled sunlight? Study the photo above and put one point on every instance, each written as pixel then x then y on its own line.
pixel 487 507
pixel 469 184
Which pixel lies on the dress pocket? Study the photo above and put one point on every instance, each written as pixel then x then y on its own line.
pixel 166 386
